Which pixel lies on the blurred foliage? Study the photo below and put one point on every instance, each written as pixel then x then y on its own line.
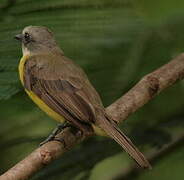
pixel 117 42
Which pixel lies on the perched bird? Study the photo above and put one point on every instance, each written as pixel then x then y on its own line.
pixel 61 89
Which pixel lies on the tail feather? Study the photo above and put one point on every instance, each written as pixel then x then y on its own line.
pixel 113 131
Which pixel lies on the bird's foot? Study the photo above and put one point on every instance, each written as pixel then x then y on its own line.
pixel 57 130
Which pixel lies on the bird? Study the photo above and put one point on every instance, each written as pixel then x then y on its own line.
pixel 62 89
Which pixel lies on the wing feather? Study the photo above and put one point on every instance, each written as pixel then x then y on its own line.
pixel 59 94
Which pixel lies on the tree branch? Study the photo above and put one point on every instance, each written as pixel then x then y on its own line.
pixel 140 94
pixel 149 86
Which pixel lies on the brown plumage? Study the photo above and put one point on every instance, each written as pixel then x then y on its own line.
pixel 65 88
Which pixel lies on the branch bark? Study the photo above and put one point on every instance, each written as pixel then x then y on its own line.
pixel 149 86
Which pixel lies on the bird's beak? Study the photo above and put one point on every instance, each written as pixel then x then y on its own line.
pixel 19 37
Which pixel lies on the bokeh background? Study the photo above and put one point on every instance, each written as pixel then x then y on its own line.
pixel 116 42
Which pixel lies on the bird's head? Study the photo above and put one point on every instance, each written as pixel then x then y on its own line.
pixel 36 39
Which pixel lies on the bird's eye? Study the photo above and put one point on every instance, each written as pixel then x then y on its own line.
pixel 27 37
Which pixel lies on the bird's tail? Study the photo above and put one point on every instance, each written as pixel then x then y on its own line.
pixel 114 132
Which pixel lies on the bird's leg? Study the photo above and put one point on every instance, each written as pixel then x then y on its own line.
pixel 57 130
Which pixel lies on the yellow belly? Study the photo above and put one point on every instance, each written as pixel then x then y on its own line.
pixel 44 107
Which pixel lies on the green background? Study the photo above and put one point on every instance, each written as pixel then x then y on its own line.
pixel 116 42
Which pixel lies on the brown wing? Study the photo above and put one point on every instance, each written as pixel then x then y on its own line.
pixel 60 91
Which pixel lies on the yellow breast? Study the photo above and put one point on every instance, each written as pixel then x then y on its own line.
pixel 44 107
